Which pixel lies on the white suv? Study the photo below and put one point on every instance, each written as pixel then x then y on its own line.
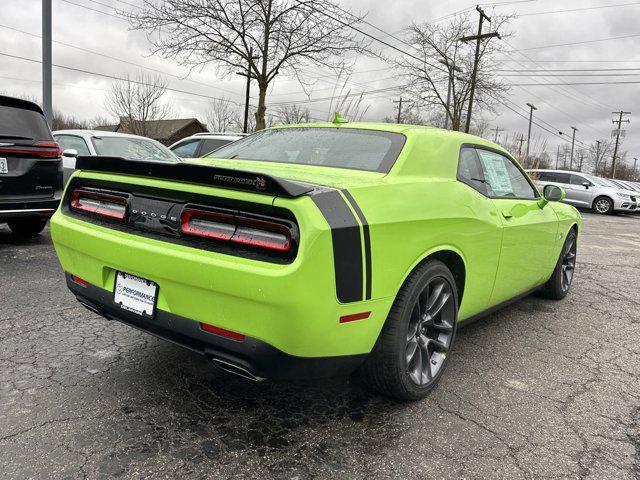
pixel 586 191
pixel 200 144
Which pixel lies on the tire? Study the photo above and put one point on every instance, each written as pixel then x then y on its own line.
pixel 603 206
pixel 390 368
pixel 27 227
pixel 557 287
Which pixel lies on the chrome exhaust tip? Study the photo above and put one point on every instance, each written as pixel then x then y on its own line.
pixel 236 369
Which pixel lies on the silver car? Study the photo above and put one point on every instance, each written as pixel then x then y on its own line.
pixel 587 191
pixel 112 144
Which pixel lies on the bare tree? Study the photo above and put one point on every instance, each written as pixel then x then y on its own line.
pixel 409 115
pixel 63 121
pixel 293 113
pixel 137 101
pixel 269 37
pixel 443 70
pixel 220 116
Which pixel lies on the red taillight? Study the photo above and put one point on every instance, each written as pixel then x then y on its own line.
pixel 221 331
pixel 79 281
pixel 103 204
pixel 44 149
pixel 354 316
pixel 237 229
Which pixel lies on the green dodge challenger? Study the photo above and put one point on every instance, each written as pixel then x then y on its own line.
pixel 314 250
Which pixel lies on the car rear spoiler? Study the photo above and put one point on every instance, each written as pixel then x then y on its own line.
pixel 201 174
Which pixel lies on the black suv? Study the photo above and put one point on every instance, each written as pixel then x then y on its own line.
pixel 30 167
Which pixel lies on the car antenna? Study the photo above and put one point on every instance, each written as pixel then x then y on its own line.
pixel 337 119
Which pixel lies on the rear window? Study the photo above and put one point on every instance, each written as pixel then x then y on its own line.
pixel 351 148
pixel 133 149
pixel 22 123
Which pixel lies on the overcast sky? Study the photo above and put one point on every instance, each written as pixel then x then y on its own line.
pixel 587 107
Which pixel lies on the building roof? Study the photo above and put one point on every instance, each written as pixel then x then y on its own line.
pixel 158 129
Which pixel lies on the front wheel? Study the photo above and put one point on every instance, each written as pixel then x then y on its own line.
pixel 27 227
pixel 603 206
pixel 413 348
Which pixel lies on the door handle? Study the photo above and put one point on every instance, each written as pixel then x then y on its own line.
pixel 507 215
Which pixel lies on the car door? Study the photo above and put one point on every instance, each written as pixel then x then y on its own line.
pixel 579 190
pixel 529 232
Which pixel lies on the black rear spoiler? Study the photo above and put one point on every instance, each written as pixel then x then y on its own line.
pixel 200 174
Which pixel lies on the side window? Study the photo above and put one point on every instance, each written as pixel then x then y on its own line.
pixel 186 149
pixel 469 170
pixel 503 179
pixel 73 141
pixel 211 144
pixel 577 180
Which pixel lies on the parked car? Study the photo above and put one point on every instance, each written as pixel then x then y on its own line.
pixel 201 144
pixel 113 144
pixel 587 191
pixel 310 251
pixel 30 167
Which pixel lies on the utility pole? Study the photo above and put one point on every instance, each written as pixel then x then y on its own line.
pixel 451 69
pixel 399 102
pixel 573 141
pixel 520 141
pixel 581 159
pixel 620 121
pixel 598 142
pixel 478 38
pixel 635 160
pixel 248 91
pixel 557 156
pixel 497 130
pixel 531 109
pixel 47 107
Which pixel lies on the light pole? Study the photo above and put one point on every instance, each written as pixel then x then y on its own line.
pixel 531 109
pixel 47 107
pixel 573 141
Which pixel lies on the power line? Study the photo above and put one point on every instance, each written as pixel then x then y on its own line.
pixel 572 83
pixel 95 10
pixel 114 77
pixel 582 42
pixel 578 9
pixel 570 70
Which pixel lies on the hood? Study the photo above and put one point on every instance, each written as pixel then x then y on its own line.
pixel 329 176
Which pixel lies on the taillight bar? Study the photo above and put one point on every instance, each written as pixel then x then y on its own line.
pixel 238 229
pixel 103 204
pixel 45 149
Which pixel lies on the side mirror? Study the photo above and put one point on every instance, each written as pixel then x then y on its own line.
pixel 586 185
pixel 551 193
pixel 70 152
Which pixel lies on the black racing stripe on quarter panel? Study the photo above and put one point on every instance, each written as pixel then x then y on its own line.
pixel 347 247
pixel 367 240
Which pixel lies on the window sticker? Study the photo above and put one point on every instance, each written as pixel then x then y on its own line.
pixel 496 174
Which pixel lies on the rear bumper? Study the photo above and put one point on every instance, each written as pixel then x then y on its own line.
pixel 250 357
pixel 28 208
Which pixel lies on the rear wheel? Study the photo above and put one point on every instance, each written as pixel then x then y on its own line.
pixel 27 227
pixel 603 205
pixel 413 348
pixel 559 284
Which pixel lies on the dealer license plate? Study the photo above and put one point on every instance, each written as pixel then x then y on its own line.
pixel 135 294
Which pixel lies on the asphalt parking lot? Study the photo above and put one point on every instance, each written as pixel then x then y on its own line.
pixel 539 389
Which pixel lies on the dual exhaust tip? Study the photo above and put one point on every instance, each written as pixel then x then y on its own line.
pixel 226 365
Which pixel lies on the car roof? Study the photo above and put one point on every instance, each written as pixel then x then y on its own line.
pixel 218 135
pixel 99 133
